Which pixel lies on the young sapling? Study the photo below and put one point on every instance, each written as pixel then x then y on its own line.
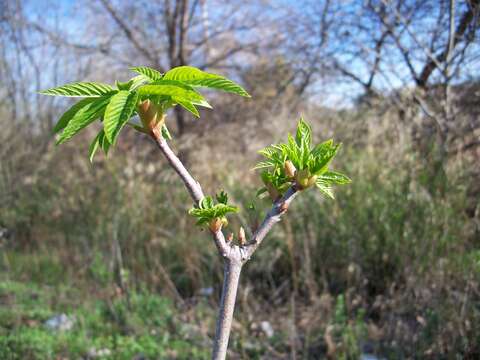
pixel 287 170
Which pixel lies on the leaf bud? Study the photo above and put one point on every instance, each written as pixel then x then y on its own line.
pixel 241 236
pixel 224 221
pixel 290 169
pixel 215 225
pixel 151 116
pixel 302 178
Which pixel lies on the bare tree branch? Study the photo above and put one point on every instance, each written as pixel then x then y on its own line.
pixel 435 62
pixel 128 32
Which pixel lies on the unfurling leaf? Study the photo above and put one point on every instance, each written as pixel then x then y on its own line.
pixel 325 188
pixel 295 163
pixel 333 177
pixel 222 197
pixel 214 215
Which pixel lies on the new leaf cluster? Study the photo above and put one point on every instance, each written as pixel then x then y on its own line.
pixel 310 164
pixel 115 106
pixel 208 211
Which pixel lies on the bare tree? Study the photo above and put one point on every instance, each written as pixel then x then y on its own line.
pixel 391 48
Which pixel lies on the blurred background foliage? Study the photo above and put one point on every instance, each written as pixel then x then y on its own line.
pixel 391 267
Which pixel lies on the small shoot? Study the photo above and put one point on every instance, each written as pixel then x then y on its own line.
pixel 211 214
pixel 149 95
pixel 297 163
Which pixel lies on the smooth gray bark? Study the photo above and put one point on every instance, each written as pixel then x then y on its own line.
pixel 231 277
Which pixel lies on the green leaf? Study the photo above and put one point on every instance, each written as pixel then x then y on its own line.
pixel 196 77
pixel 124 85
pixel 70 113
pixel 174 83
pixel 323 158
pixel 222 197
pixel 187 105
pixel 170 90
pixel 104 144
pixel 138 81
pixel 325 188
pixel 304 133
pixel 333 177
pixel 94 145
pixel 207 210
pixel 165 133
pixel 297 150
pixel 80 89
pixel 263 165
pixel 118 112
pixel 200 101
pixel 83 117
pixel 150 73
pixel 262 193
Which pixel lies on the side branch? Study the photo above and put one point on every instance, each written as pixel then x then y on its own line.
pixel 273 216
pixel 191 184
pixel 226 250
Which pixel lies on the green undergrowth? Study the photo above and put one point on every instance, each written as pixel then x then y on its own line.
pixel 143 324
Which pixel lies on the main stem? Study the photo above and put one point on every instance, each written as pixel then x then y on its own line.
pixel 231 277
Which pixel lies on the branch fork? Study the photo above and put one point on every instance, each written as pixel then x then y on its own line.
pixel 235 256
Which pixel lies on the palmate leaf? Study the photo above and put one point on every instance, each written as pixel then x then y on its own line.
pixel 116 105
pixel 150 73
pixel 118 111
pixel 80 89
pixel 196 77
pixel 83 117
